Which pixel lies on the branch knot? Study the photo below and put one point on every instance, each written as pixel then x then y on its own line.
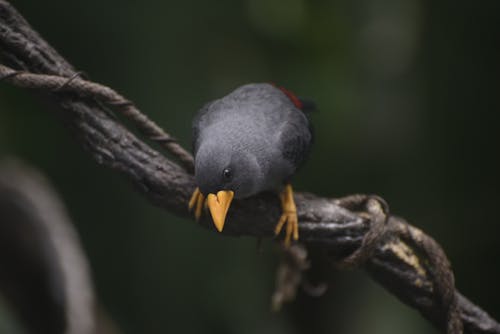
pixel 377 210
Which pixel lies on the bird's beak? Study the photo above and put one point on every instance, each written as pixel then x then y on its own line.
pixel 219 205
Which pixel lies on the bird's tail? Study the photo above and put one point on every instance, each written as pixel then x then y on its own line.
pixel 308 105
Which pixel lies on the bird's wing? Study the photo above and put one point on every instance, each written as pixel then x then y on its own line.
pixel 198 123
pixel 295 138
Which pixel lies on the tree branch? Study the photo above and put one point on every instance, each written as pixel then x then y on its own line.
pixel 45 275
pixel 354 231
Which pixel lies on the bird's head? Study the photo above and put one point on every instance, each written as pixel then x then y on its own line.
pixel 222 173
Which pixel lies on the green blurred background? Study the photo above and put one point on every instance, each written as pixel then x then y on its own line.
pixel 408 97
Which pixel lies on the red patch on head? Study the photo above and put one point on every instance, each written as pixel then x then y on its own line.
pixel 292 97
pixel 295 100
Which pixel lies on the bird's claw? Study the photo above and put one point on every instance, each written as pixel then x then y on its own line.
pixel 292 226
pixel 197 202
pixel 288 217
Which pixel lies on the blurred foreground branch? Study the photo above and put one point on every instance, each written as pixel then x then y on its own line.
pixel 354 231
pixel 43 271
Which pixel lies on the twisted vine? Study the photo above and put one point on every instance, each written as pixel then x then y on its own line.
pixel 356 231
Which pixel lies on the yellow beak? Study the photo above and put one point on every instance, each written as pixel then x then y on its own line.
pixel 219 205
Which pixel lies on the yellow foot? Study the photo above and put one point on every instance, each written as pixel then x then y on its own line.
pixel 288 217
pixel 197 200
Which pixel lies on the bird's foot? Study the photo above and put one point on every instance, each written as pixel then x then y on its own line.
pixel 288 217
pixel 197 201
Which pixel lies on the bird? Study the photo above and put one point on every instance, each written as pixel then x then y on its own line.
pixel 250 141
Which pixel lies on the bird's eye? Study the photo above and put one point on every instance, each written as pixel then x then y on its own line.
pixel 227 173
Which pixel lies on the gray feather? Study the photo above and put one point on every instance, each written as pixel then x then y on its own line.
pixel 258 124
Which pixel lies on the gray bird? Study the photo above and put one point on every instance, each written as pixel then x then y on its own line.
pixel 250 141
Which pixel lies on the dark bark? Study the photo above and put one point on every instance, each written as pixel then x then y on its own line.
pixel 400 257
